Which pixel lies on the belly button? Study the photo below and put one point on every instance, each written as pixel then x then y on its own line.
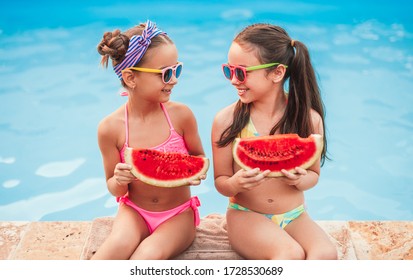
pixel 270 200
pixel 155 200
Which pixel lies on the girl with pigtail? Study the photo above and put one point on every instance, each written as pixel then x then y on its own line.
pixel 266 217
pixel 151 222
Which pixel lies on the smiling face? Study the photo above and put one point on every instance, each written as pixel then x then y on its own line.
pixel 150 86
pixel 259 82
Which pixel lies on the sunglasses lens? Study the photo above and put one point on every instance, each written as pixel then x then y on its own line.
pixel 167 75
pixel 227 72
pixel 239 74
pixel 178 71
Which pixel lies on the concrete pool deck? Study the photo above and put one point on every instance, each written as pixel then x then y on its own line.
pixel 78 240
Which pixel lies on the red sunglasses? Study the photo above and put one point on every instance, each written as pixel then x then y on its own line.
pixel 240 72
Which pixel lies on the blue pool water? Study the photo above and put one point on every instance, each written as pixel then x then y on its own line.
pixel 53 94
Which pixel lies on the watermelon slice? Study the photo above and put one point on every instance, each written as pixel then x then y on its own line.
pixel 163 169
pixel 276 152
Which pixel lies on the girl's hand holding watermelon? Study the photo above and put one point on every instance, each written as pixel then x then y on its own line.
pixel 122 174
pixel 293 179
pixel 245 180
pixel 197 182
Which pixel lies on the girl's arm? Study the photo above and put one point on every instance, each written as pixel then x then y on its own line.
pixel 306 179
pixel 191 133
pixel 227 182
pixel 188 128
pixel 118 175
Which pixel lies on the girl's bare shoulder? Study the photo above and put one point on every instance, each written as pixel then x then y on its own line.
pixel 225 115
pixel 112 122
pixel 317 121
pixel 178 110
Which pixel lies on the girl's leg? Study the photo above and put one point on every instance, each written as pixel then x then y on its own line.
pixel 254 236
pixel 312 238
pixel 128 230
pixel 169 239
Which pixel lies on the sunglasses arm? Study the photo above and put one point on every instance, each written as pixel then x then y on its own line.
pixel 148 70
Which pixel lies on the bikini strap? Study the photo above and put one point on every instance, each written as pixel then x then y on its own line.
pixel 126 126
pixel 167 117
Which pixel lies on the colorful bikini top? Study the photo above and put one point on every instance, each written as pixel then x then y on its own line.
pixel 174 143
pixel 249 130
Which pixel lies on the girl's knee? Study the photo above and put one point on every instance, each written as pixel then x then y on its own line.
pixel 125 242
pixel 115 248
pixel 292 252
pixel 330 254
pixel 324 253
pixel 296 252
pixel 149 253
pixel 122 244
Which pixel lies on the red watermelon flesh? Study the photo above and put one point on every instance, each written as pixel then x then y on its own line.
pixel 277 152
pixel 164 169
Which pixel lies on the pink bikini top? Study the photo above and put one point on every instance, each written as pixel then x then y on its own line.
pixel 174 143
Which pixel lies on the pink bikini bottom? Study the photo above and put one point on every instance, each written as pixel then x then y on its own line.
pixel 155 219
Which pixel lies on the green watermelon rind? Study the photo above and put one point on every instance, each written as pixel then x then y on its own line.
pixel 316 138
pixel 164 183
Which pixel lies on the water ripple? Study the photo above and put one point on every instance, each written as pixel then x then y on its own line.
pixel 36 207
pixel 59 168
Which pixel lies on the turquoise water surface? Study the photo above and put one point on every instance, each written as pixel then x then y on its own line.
pixel 53 94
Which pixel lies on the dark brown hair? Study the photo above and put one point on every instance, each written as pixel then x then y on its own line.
pixel 114 45
pixel 272 44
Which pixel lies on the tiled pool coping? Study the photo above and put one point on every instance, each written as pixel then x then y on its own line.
pixel 74 240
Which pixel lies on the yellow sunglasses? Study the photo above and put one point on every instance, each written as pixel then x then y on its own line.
pixel 167 72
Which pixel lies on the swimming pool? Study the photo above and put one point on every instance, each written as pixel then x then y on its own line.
pixel 53 94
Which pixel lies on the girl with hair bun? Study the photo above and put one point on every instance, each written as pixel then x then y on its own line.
pixel 151 222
